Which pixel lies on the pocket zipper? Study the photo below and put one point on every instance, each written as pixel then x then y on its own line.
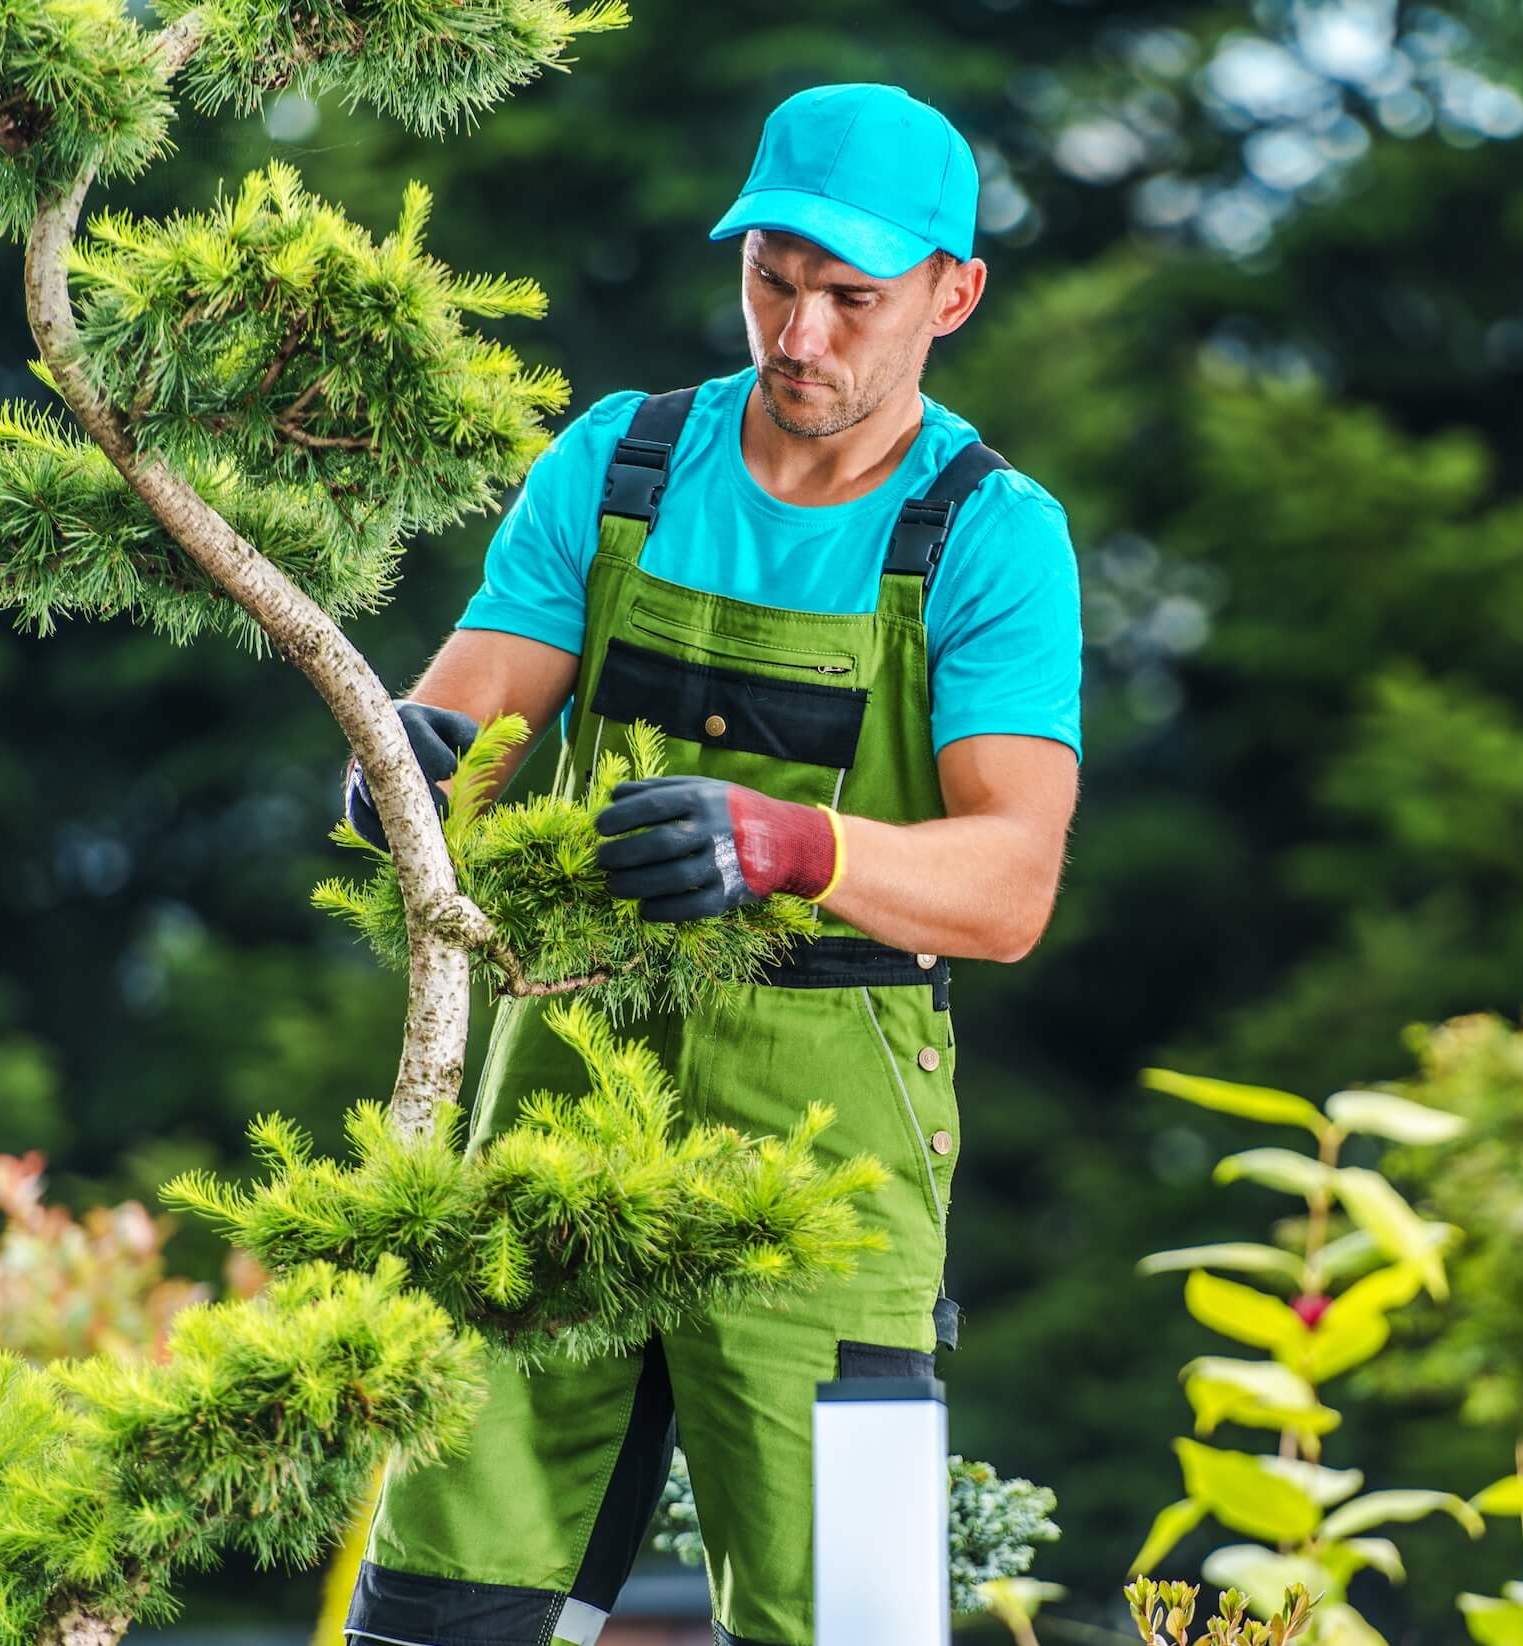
pixel 696 644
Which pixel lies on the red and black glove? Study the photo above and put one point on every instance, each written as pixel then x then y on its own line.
pixel 711 845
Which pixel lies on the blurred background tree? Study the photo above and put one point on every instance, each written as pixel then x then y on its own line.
pixel 1255 318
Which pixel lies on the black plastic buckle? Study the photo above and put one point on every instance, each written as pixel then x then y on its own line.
pixel 636 479
pixel 920 534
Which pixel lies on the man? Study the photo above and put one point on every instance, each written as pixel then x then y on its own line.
pixel 860 630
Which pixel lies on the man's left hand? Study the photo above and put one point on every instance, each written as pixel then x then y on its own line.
pixel 707 845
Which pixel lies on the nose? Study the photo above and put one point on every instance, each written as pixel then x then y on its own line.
pixel 803 337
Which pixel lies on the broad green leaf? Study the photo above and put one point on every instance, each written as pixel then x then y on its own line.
pixel 1263 1103
pixel 1357 1250
pixel 1375 1508
pixel 1338 1624
pixel 1323 1485
pixel 1378 1293
pixel 1490 1621
pixel 1501 1497
pixel 1169 1525
pixel 1374 1205
pixel 1262 1575
pixel 1245 1496
pixel 1259 1393
pixel 1242 1312
pixel 1282 1169
pixel 1380 1114
pixel 1242 1255
pixel 1346 1558
pixel 1335 1345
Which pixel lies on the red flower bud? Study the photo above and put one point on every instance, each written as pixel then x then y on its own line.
pixel 1311 1307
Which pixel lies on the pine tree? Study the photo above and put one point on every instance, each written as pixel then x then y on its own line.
pixel 269 402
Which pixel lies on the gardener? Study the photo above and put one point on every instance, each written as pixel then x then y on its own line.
pixel 859 629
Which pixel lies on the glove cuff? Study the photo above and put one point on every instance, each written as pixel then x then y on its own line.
pixel 838 835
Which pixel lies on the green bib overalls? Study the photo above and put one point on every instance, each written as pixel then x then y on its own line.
pixel 528 1538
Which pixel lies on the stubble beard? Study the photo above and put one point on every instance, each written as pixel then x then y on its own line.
pixel 845 414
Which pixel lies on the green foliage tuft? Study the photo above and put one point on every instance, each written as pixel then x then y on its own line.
pixel 589 1225
pixel 80 83
pixel 532 868
pixel 319 391
pixel 259 1433
pixel 425 64
pixel 75 540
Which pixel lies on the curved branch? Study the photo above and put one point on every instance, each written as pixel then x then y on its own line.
pixel 438 1006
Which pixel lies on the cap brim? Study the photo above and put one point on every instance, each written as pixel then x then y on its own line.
pixel 880 249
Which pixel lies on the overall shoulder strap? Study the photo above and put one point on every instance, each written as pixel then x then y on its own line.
pixel 637 472
pixel 924 523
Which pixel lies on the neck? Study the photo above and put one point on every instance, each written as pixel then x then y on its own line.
pixel 815 470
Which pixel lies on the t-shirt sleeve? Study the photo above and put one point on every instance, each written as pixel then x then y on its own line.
pixel 1006 652
pixel 534 580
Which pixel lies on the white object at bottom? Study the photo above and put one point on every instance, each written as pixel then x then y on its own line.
pixel 880 1517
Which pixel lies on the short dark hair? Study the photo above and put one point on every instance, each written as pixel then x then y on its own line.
pixel 938 262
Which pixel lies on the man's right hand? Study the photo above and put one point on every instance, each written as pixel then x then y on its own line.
pixel 438 737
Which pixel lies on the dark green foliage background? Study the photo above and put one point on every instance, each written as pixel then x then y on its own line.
pixel 1292 474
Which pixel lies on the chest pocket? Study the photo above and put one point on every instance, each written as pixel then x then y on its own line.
pixel 715 646
pixel 728 708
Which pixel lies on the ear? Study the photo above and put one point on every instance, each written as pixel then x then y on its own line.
pixel 957 294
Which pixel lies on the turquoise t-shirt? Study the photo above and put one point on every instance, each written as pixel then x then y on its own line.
pixel 1002 615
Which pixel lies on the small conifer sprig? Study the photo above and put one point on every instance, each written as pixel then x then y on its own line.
pixel 589 1224
pixel 272 333
pixel 531 867
pixel 79 82
pixel 258 1433
pixel 425 64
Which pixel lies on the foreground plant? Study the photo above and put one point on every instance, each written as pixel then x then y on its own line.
pixel 531 868
pixel 1163 1613
pixel 256 1434
pixel 590 1224
pixel 1471 1356
pixel 1341 1292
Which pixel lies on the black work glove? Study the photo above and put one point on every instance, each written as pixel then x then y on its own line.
pixel 438 737
pixel 712 846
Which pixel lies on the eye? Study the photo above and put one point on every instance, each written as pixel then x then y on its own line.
pixel 853 302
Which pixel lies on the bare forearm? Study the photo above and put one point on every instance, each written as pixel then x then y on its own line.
pixel 485 673
pixel 970 887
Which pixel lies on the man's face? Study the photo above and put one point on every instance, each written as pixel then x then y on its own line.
pixel 829 343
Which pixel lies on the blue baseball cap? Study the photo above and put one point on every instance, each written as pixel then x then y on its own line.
pixel 876 177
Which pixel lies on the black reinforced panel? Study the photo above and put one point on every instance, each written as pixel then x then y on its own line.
pixel 851 962
pixel 787 719
pixel 879 1360
pixel 443 1611
pixel 634 1488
